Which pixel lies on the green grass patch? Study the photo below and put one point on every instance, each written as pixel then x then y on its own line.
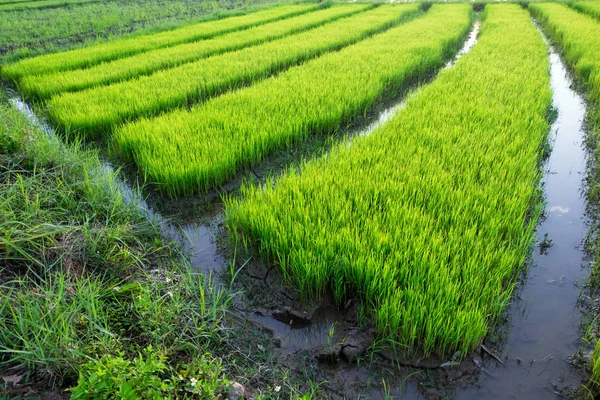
pixel 186 152
pixel 45 86
pixel 102 109
pixel 87 281
pixel 115 49
pixel 431 217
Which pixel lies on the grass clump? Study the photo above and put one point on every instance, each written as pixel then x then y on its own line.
pixel 45 86
pixel 190 151
pixel 89 56
pixel 429 218
pixel 102 109
pixel 87 281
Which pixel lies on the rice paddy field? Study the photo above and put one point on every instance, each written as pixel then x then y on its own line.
pixel 425 172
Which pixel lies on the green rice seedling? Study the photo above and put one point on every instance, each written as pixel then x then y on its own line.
pixel 190 151
pixel 591 8
pixel 101 109
pixel 578 36
pixel 44 86
pixel 113 50
pixel 430 217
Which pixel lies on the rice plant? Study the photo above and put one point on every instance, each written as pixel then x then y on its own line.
pixel 101 109
pixel 115 49
pixel 190 151
pixel 578 36
pixel 44 86
pixel 590 8
pixel 429 218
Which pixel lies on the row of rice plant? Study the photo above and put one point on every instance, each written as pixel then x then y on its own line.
pixel 45 86
pixel 115 49
pixel 101 109
pixel 578 36
pixel 191 151
pixel 590 8
pixel 430 217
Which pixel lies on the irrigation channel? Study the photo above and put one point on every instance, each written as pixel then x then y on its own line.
pixel 544 326
pixel 543 321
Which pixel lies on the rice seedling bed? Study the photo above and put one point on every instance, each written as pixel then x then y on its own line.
pixel 44 86
pixel 591 8
pixel 101 109
pixel 113 50
pixel 578 36
pixel 430 218
pixel 187 152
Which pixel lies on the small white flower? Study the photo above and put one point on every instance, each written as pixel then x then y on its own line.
pixel 167 280
pixel 170 294
pixel 117 288
pixel 193 381
pixel 277 388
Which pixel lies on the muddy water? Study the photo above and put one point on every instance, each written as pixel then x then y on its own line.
pixel 544 317
pixel 300 337
pixel 198 239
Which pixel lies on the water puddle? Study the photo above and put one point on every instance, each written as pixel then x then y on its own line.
pixel 26 110
pixel 544 319
pixel 198 239
pixel 297 337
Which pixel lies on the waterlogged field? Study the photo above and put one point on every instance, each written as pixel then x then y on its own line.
pixel 427 219
pixel 429 224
